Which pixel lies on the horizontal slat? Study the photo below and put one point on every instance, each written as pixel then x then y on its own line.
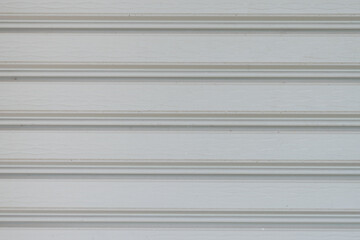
pixel 150 48
pixel 190 169
pixel 178 219
pixel 238 86
pixel 177 234
pixel 201 72
pixel 178 96
pixel 183 145
pixel 180 6
pixel 178 121
pixel 180 194
pixel 177 22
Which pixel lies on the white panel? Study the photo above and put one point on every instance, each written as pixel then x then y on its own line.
pixel 180 6
pixel 162 145
pixel 177 194
pixel 155 234
pixel 177 96
pixel 179 48
pixel 200 219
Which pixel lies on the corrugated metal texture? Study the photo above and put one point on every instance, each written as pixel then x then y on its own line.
pixel 180 119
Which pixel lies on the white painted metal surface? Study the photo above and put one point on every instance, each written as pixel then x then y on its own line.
pixel 180 119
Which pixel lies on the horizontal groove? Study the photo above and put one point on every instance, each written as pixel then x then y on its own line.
pixel 189 128
pixel 177 22
pixel 20 71
pixel 38 120
pixel 178 169
pixel 180 218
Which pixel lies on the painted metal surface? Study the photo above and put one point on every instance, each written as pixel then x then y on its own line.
pixel 180 119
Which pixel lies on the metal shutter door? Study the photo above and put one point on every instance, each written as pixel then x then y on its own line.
pixel 186 119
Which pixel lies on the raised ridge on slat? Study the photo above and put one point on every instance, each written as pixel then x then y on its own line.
pixel 180 169
pixel 223 71
pixel 195 23
pixel 180 218
pixel 95 119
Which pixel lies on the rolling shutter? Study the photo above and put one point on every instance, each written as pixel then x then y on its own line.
pixel 186 119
